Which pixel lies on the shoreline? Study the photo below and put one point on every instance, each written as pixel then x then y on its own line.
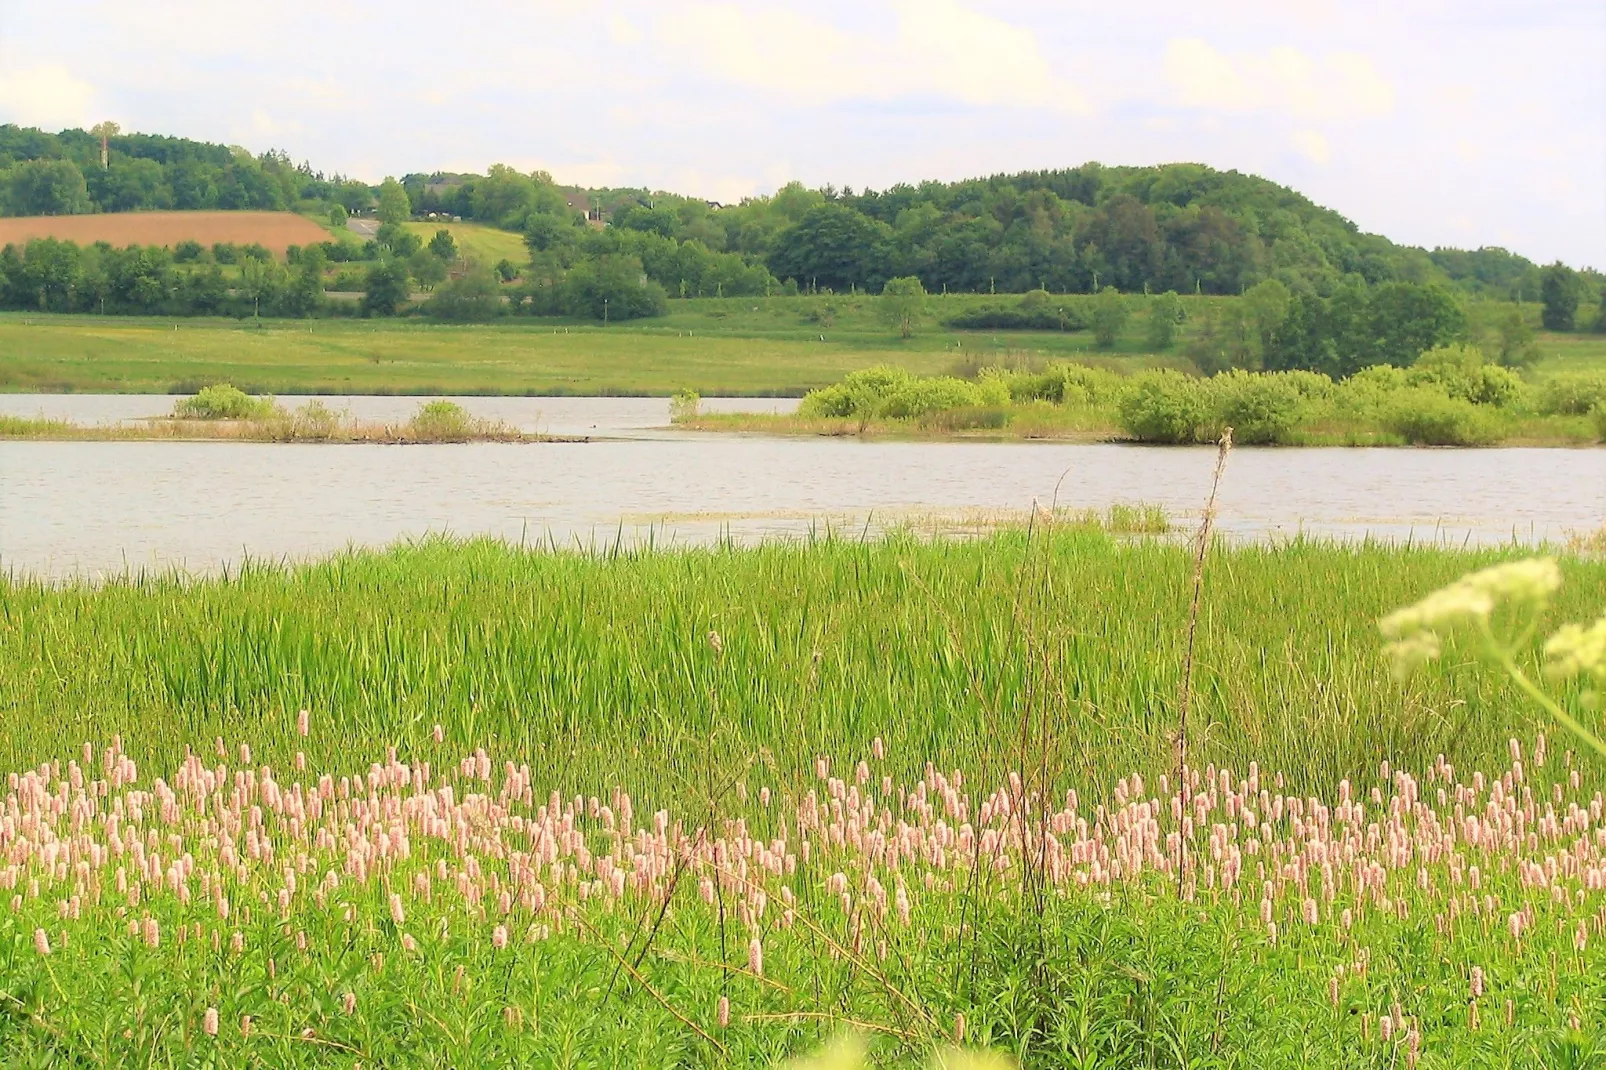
pixel 281 432
pixel 762 424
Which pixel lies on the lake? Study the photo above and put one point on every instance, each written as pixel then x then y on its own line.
pixel 89 508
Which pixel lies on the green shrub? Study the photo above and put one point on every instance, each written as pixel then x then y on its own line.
pixel 1424 416
pixel 1494 385
pixel 441 421
pixel 1365 394
pixel 1460 371
pixel 1261 409
pixel 474 296
pixel 1029 386
pixel 1163 406
pixel 1038 310
pixel 1572 395
pixel 1598 415
pixel 223 402
pixel 834 401
pixel 1312 386
pixel 1060 384
pixel 936 394
pixel 859 393
pixel 1377 379
pixel 684 406
pixel 314 420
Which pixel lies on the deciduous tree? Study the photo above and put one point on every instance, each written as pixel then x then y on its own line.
pixel 1109 316
pixel 1558 290
pixel 903 303
pixel 394 207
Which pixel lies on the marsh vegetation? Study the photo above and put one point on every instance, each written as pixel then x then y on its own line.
pixel 834 800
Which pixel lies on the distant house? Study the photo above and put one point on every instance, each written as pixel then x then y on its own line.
pixel 581 201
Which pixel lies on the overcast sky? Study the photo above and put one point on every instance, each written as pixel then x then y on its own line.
pixel 1453 122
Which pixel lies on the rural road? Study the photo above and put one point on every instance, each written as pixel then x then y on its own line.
pixel 363 228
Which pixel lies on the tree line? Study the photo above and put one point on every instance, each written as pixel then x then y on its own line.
pixel 1184 228
pixel 66 174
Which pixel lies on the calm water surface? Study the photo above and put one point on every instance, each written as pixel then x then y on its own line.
pixel 90 508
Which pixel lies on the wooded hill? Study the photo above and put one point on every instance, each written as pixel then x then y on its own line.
pixel 1182 227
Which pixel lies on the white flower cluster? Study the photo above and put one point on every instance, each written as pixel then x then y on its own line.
pixel 1417 631
pixel 1577 650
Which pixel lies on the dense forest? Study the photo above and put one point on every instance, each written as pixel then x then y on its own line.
pixel 620 253
pixel 62 174
pixel 1183 227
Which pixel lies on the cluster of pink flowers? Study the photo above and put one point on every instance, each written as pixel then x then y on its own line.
pixel 1522 849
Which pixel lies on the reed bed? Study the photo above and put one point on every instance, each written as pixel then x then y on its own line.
pixel 464 803
pixel 597 663
pixel 435 423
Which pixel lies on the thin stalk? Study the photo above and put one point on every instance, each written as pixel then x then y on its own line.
pixel 1533 691
pixel 1200 552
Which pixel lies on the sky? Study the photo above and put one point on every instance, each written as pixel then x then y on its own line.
pixel 1434 122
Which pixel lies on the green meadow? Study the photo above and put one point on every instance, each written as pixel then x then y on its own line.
pixel 733 346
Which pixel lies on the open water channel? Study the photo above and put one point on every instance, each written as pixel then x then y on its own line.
pixel 92 508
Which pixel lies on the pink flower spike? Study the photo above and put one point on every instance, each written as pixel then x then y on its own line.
pixel 303 723
pixel 41 942
pixel 209 1022
pixel 755 957
pixel 724 1012
pixel 440 734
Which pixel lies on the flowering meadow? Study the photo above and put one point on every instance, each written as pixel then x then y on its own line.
pixel 716 807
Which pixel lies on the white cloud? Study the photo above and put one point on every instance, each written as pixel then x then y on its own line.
pixel 1203 77
pixel 264 125
pixel 940 48
pixel 622 31
pixel 1342 85
pixel 47 95
pixel 1312 145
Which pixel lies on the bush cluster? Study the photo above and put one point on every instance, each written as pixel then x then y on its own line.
pixel 1451 397
pixel 223 402
pixel 885 392
pixel 1037 310
pixel 441 421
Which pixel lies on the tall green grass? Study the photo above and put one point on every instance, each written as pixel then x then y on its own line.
pixel 601 667
pixel 689 677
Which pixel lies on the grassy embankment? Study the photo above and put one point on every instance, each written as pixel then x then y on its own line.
pixel 376 919
pixel 732 346
pixel 710 346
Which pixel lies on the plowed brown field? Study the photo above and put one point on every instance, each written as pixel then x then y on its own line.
pixel 275 230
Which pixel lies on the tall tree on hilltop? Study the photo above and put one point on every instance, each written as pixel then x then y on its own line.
pixel 105 131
